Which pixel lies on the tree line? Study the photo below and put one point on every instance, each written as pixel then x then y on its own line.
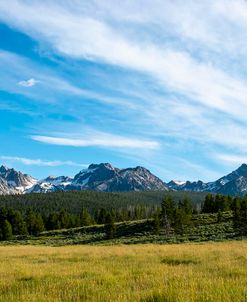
pixel 170 217
pixel 14 222
pixel 173 217
pixel 74 201
pixel 215 203
pixel 238 205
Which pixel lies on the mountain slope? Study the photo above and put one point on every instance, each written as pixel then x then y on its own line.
pixel 104 177
pixel 50 184
pixel 195 186
pixel 235 183
pixel 5 188
pixel 16 181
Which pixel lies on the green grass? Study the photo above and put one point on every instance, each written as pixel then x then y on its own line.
pixel 79 264
pixel 205 272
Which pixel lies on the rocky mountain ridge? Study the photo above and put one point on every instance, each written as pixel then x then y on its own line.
pixel 105 177
pixel 97 177
pixel 234 183
pixel 12 181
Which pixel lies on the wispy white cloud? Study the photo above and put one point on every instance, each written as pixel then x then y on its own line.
pixel 103 140
pixel 81 36
pixel 230 158
pixel 193 54
pixel 212 25
pixel 28 83
pixel 40 162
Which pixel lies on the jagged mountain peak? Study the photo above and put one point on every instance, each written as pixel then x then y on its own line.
pixel 16 178
pixel 195 186
pixel 105 177
pixel 3 169
pixel 234 183
pixel 176 182
pixel 242 170
pixel 51 184
pixel 16 181
pixel 94 173
pixel 137 168
pixel 100 166
pixel 244 166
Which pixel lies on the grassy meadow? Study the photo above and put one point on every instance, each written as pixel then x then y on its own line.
pixel 143 272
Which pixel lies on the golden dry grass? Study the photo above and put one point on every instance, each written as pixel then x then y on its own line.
pixel 184 272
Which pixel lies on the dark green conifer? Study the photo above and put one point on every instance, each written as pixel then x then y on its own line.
pixel 167 214
pixel 6 231
pixel 156 223
pixel 110 227
pixel 85 218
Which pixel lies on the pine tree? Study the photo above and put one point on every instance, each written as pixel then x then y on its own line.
pixel 38 225
pixel 34 222
pixel 85 218
pixel 167 214
pixel 110 227
pixel 102 216
pixel 217 203
pixel 30 221
pixel 6 231
pixel 243 216
pixel 181 220
pixel 179 215
pixel 156 223
pixel 225 205
pixel 18 224
pixel 53 222
pixel 186 205
pixel 236 206
pixel 208 205
pixel 64 219
pixel 10 215
pixel 3 215
pixel 124 214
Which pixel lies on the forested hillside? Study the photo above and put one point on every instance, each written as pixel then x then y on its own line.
pixel 109 215
pixel 74 201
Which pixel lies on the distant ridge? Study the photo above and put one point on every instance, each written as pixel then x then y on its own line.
pixel 106 178
pixel 234 183
pixel 98 177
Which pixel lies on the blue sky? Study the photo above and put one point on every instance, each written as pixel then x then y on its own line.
pixel 161 84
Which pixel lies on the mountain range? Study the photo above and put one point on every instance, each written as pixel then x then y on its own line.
pixel 234 183
pixel 97 177
pixel 105 177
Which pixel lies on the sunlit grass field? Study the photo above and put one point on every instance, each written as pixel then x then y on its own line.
pixel 181 272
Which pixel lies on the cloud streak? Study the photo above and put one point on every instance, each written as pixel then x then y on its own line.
pixel 28 83
pixel 103 141
pixel 84 37
pixel 236 159
pixel 40 162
